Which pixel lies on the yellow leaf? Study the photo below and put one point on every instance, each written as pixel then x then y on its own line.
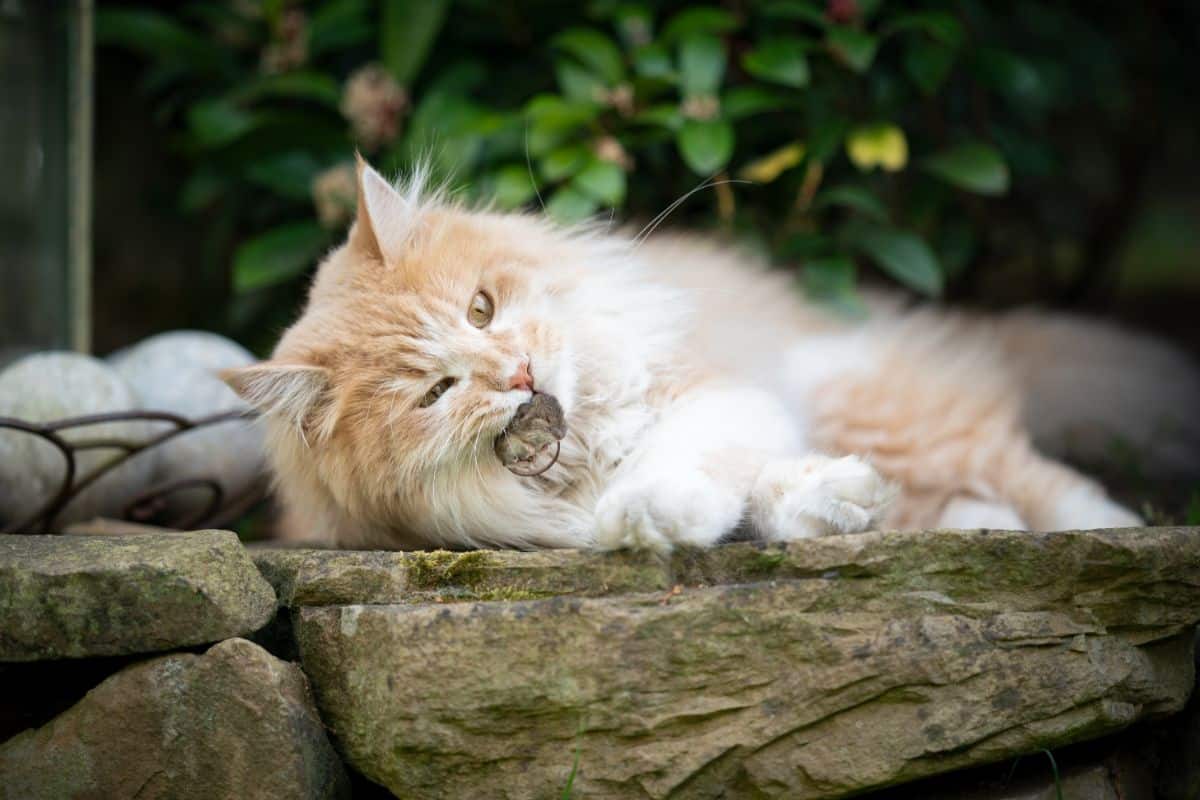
pixel 881 145
pixel 774 164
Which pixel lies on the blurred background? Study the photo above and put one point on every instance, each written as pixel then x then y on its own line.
pixel 986 154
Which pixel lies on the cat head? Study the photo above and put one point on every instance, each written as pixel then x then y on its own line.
pixel 422 335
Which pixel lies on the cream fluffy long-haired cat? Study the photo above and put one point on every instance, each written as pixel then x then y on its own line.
pixel 702 395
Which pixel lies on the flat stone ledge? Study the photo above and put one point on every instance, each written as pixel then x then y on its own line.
pixel 817 670
pixel 1007 569
pixel 303 577
pixel 80 596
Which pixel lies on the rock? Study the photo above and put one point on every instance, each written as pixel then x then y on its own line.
pixel 234 722
pixel 75 596
pixel 102 526
pixel 53 386
pixel 10 354
pixel 1178 776
pixel 178 372
pixel 34 692
pixel 332 577
pixel 822 669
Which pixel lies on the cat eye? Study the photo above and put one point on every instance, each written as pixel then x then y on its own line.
pixel 481 310
pixel 437 391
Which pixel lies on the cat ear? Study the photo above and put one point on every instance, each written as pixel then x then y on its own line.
pixel 290 391
pixel 385 217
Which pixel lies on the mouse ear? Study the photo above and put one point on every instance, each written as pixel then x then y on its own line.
pixel 385 218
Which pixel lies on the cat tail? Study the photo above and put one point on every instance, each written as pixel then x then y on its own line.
pixel 1098 392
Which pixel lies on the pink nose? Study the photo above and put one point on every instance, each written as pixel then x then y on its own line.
pixel 522 378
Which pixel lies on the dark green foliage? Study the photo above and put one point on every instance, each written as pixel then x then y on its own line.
pixel 892 137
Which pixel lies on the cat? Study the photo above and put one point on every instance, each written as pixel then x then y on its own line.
pixel 703 396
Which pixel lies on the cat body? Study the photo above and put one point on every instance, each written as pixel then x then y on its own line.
pixel 702 395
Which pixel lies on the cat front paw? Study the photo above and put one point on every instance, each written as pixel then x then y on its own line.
pixel 660 512
pixel 818 496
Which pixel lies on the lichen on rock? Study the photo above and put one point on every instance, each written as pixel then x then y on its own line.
pixel 817 670
pixel 79 596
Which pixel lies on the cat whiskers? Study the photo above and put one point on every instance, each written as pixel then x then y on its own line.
pixel 475 454
pixel 529 166
pixel 653 224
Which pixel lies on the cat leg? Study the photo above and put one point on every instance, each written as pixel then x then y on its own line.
pixel 1054 497
pixel 942 417
pixel 817 495
pixel 964 512
pixel 688 479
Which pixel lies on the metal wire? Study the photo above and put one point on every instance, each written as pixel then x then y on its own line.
pixel 148 505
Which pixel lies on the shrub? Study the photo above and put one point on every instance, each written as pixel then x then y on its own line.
pixel 916 140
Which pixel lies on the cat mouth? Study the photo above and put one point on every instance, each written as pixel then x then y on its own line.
pixel 531 442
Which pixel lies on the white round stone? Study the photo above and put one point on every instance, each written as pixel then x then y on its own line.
pixel 51 386
pixel 178 372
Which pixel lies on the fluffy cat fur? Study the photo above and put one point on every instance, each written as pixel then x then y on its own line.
pixel 702 394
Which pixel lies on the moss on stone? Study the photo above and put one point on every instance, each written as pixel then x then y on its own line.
pixel 77 596
pixel 440 569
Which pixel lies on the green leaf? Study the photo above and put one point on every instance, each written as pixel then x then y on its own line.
pixel 553 120
pixel 797 10
pixel 852 47
pixel 974 166
pixel 553 111
pixel 653 61
pixel 867 8
pixel 746 101
pixel 201 189
pixel 563 162
pixel 578 84
pixel 512 186
pixel 956 244
pixel 701 64
pixel 662 116
pixel 706 146
pixel 569 205
pixel 595 51
pixel 1010 74
pixel 602 181
pixel 779 60
pixel 287 174
pixel 1026 154
pixel 806 245
pixel 214 123
pixel 635 24
pixel 159 37
pixel 278 255
pixel 939 25
pixel 901 254
pixel 315 86
pixel 928 64
pixel 849 195
pixel 823 143
pixel 829 275
pixel 407 30
pixel 462 78
pixel 337 25
pixel 831 280
pixel 695 21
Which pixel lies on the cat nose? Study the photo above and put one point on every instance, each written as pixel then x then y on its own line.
pixel 522 378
